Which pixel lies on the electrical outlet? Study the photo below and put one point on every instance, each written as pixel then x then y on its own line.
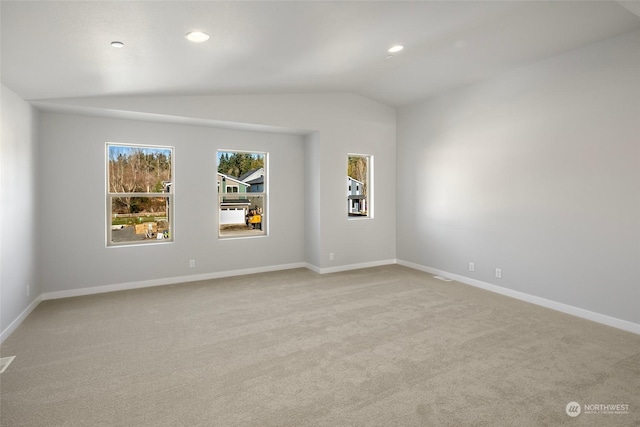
pixel 192 263
pixel 472 267
pixel 330 256
pixel 499 273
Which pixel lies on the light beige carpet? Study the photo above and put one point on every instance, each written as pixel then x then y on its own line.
pixel 386 346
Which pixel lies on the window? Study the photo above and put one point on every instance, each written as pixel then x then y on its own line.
pixel 359 186
pixel 139 194
pixel 242 196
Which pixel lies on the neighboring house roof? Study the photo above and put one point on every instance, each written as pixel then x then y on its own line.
pixel 355 180
pixel 256 181
pixel 252 174
pixel 230 178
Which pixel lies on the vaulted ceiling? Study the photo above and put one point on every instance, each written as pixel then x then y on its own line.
pixel 61 49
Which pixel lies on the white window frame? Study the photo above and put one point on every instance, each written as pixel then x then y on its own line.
pixel 264 194
pixel 369 202
pixel 167 195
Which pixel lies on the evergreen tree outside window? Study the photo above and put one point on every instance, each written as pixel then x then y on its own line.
pixel 242 195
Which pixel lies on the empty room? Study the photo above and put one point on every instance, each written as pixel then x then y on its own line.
pixel 319 213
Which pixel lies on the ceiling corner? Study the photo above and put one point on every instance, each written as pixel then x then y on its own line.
pixel 632 6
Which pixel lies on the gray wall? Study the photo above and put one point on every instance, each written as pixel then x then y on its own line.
pixel 72 180
pixel 335 125
pixel 313 229
pixel 18 207
pixel 536 172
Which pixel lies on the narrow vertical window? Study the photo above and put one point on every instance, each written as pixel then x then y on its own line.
pixel 139 194
pixel 359 186
pixel 242 195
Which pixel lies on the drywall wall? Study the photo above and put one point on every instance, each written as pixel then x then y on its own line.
pixel 537 173
pixel 72 193
pixel 312 209
pixel 334 125
pixel 18 213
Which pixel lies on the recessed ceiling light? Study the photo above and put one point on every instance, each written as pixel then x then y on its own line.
pixel 117 44
pixel 396 48
pixel 197 36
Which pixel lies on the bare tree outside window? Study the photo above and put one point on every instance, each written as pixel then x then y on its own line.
pixel 139 194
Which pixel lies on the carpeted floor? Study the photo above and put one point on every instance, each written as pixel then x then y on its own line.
pixel 386 346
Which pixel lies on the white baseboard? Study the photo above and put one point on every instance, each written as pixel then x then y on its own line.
pixel 207 276
pixel 348 267
pixel 18 320
pixel 564 308
pixel 575 311
pixel 167 281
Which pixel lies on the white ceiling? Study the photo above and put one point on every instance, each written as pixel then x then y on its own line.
pixel 59 49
